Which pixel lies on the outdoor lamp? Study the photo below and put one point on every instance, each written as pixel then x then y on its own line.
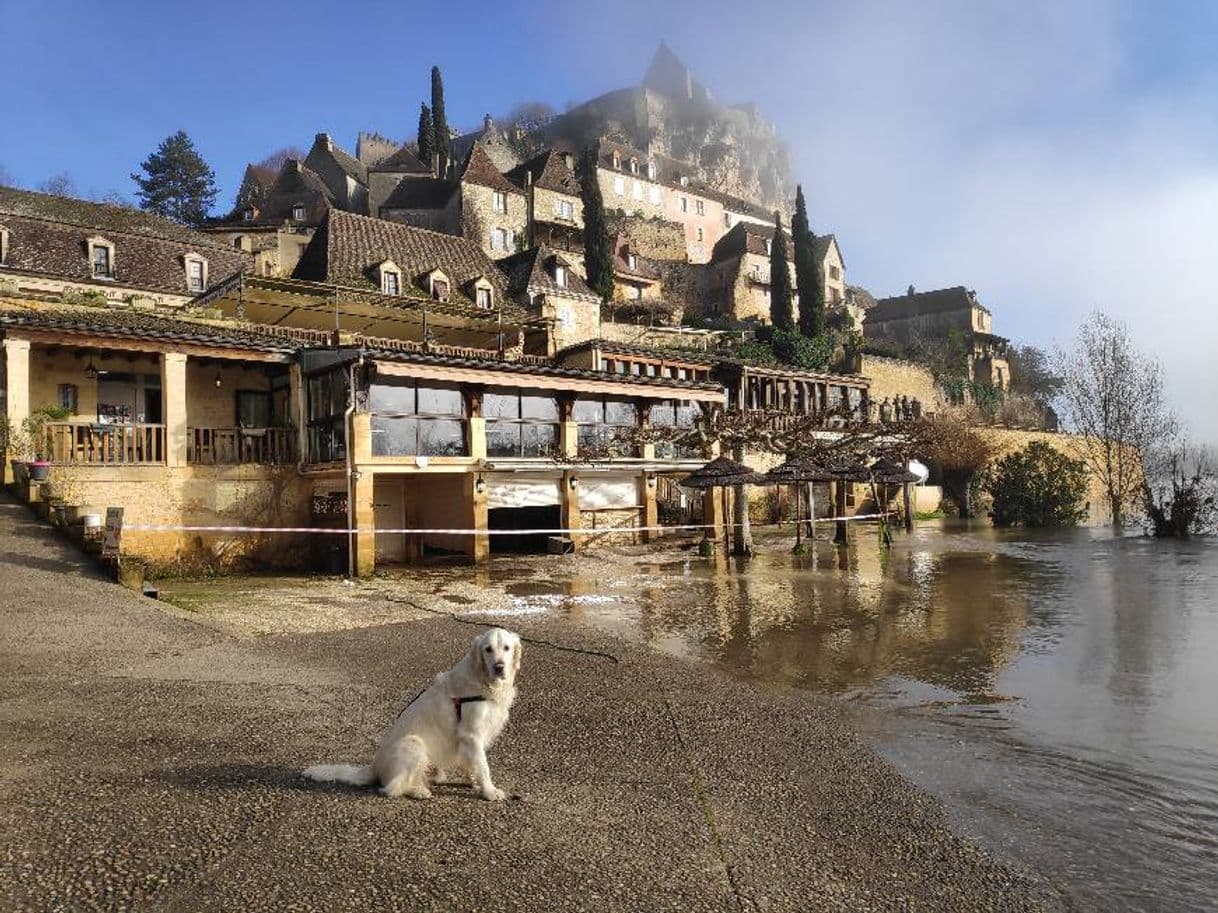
pixel 651 481
pixel 219 381
pixel 91 371
pixel 480 485
pixel 574 483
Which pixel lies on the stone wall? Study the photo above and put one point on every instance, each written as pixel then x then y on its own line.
pixel 654 238
pixel 891 377
pixel 577 320
pixel 545 206
pixel 1008 440
pixel 479 219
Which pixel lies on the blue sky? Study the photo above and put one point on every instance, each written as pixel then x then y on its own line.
pixel 1056 157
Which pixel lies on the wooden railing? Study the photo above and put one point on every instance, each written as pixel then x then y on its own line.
pixel 233 446
pixel 88 442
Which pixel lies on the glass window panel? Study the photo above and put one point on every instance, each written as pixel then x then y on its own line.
pixel 589 436
pixel 441 437
pixel 539 407
pixel 441 401
pixel 687 414
pixel 537 440
pixel 392 396
pixel 588 411
pixel 338 391
pixel 618 412
pixel 501 405
pixel 394 436
pixel 502 439
pixel 663 414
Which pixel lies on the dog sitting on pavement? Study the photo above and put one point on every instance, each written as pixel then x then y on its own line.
pixel 448 727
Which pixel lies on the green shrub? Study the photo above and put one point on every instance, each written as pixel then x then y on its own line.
pixel 1038 486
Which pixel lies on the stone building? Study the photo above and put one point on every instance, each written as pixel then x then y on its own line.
pixel 344 175
pixel 547 285
pixel 57 245
pixel 920 317
pixel 554 201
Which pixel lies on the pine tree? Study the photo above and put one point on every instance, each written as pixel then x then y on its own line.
pixel 781 296
pixel 176 182
pixel 439 122
pixel 809 277
pixel 598 249
pixel 427 138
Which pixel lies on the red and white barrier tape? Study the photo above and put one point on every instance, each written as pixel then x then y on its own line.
pixel 343 531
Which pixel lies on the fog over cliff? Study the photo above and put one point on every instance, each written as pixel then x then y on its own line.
pixel 1055 157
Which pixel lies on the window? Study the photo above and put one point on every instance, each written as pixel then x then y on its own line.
pixel 196 274
pixel 500 201
pixel 700 233
pixel 482 297
pixel 69 397
pixel 632 261
pixel 100 257
pixel 600 422
pixel 727 220
pixel 248 215
pixel 767 246
pixel 326 424
pixel 298 212
pixel 565 209
pixel 684 204
pixel 254 408
pixel 412 419
pixel 675 414
pixel 657 195
pixel 684 180
pixel 633 292
pixel 439 289
pixel 520 424
pixel 3 244
pixel 638 190
pixel 560 275
pixel 499 239
pixel 391 282
pixel 700 206
pixel 634 166
pixel 619 186
pixel 617 162
pixel 651 171
pixel 835 272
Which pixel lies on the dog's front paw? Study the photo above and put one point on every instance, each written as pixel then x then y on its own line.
pixel 493 794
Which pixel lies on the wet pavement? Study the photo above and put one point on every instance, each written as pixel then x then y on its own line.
pixel 150 762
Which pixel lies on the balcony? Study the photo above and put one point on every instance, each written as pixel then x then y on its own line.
pixel 241 446
pixel 102 444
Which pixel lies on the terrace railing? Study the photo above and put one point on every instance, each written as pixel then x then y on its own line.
pixel 235 446
pixel 89 442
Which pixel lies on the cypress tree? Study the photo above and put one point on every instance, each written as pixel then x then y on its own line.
pixel 781 295
pixel 176 183
pixel 808 271
pixel 427 138
pixel 439 121
pixel 598 249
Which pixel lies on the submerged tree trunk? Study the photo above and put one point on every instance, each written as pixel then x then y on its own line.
pixel 839 511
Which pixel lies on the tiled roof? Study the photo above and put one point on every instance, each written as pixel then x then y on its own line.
pixel 296 184
pixel 532 271
pixel 621 348
pixel 347 249
pixel 549 172
pixel 479 169
pixel 48 237
pixel 746 237
pixel 324 146
pixel 402 160
pixel 127 324
pixel 101 217
pixel 420 193
pixel 937 301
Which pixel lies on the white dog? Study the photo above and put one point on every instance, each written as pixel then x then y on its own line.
pixel 450 725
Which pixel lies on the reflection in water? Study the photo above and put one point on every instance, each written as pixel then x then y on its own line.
pixel 1056 690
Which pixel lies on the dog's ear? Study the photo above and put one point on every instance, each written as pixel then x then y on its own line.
pixel 517 650
pixel 477 659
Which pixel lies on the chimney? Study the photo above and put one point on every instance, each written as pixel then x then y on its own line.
pixel 570 160
pixel 324 139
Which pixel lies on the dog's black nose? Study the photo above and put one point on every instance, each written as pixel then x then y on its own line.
pixel 499 667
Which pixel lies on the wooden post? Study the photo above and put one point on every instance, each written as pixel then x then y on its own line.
pixel 909 517
pixel 811 510
pixel 839 511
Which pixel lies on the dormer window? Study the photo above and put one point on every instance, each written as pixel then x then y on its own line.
pixel 499 200
pixel 101 258
pixel 684 180
pixel 560 275
pixel 3 245
pixel 617 162
pixel 768 245
pixel 298 212
pixel 391 278
pixel 248 215
pixel 634 166
pixel 196 273
pixel 439 285
pixel 632 261
pixel 651 171
pixel 482 298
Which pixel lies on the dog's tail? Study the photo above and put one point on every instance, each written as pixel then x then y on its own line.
pixel 355 774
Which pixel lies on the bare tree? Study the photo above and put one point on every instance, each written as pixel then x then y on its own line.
pixel 6 178
pixel 275 161
pixel 60 185
pixel 1115 399
pixel 1180 494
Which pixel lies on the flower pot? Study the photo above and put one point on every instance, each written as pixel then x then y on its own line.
pixel 21 472
pixel 91 521
pixel 59 514
pixel 39 470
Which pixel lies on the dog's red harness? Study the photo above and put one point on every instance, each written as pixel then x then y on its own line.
pixel 458 701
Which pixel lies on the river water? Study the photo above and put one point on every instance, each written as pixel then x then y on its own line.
pixel 1058 692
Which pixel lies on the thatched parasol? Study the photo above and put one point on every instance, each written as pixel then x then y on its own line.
pixel 722 473
pixel 801 472
pixel 888 472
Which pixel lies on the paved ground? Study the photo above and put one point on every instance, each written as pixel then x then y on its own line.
pixel 150 763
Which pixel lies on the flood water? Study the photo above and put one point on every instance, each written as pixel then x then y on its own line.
pixel 1059 692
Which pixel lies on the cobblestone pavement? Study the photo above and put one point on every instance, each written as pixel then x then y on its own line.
pixel 151 763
